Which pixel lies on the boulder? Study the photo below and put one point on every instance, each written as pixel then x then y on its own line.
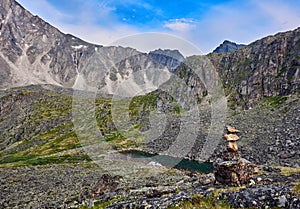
pixel 106 183
pixel 234 172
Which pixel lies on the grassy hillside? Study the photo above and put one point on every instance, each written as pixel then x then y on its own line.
pixel 37 127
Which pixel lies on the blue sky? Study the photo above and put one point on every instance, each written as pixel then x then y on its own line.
pixel 205 23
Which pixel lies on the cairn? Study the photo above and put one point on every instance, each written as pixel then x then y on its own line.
pixel 232 148
pixel 232 138
pixel 231 168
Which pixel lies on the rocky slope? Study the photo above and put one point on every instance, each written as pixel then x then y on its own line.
pixel 34 52
pixel 267 67
pixel 227 46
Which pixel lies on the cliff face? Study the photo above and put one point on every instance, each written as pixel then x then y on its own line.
pixel 267 67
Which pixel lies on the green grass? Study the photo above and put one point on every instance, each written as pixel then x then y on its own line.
pixel 57 160
pixel 210 202
pixel 62 143
pixel 200 202
pixel 45 127
pixel 296 189
pixel 101 205
pixel 114 137
pixel 287 171
pixel 272 101
pixel 16 160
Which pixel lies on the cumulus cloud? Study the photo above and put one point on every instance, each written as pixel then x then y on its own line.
pixel 180 25
pixel 88 23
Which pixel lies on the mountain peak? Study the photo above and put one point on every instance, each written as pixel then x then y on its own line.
pixel 168 52
pixel 227 46
pixel 167 57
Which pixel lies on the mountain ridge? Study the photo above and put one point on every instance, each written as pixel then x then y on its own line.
pixel 34 52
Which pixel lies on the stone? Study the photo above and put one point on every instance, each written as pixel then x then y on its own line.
pixel 231 168
pixel 232 146
pixel 207 179
pixel 234 172
pixel 252 182
pixel 231 137
pixel 270 196
pixel 225 155
pixel 106 183
pixel 231 142
pixel 231 129
pixel 282 201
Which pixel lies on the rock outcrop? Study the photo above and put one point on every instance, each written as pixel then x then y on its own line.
pixel 231 168
pixel 266 67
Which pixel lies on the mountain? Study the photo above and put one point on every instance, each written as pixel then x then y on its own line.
pixel 227 46
pixel 267 67
pixel 34 52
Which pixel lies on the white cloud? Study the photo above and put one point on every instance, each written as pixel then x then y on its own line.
pixel 283 15
pixel 113 32
pixel 45 10
pixel 180 25
pixel 85 25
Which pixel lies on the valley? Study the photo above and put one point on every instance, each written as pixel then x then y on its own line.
pixel 91 126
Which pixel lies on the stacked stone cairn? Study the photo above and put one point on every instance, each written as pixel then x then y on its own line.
pixel 230 168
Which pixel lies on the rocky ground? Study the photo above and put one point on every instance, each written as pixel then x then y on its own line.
pixel 73 186
pixel 270 132
pixel 48 168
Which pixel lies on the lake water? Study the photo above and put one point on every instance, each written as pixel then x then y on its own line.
pixel 168 161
